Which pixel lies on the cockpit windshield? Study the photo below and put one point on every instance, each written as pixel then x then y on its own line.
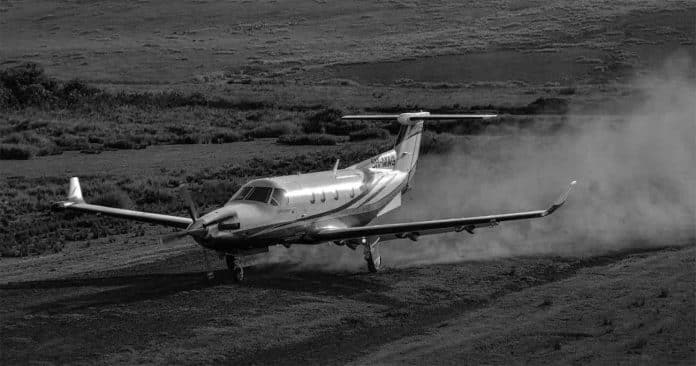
pixel 275 197
pixel 260 194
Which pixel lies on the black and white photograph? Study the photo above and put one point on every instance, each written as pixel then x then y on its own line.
pixel 370 182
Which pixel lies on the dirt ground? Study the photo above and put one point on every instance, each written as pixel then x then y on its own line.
pixel 626 307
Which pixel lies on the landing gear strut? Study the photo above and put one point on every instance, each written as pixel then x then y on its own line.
pixel 235 268
pixel 372 256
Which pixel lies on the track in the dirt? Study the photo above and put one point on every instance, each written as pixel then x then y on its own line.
pixel 279 316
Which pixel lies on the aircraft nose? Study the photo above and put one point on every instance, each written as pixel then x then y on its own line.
pixel 229 222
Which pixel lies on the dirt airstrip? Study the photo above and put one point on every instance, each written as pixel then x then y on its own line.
pixel 626 307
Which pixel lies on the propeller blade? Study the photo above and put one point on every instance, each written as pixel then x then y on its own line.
pixel 190 205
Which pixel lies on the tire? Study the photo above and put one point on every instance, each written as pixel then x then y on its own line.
pixel 238 274
pixel 234 268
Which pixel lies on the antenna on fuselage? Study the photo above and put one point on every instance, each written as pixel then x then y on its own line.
pixel 335 169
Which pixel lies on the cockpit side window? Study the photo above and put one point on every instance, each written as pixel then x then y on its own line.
pixel 278 197
pixel 260 194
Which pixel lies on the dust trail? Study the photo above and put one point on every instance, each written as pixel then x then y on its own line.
pixel 636 187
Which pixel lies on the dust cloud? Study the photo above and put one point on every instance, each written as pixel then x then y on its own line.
pixel 636 185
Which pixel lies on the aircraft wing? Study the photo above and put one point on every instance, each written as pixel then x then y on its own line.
pixel 77 203
pixel 413 230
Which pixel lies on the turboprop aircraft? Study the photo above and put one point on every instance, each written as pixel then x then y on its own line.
pixel 330 206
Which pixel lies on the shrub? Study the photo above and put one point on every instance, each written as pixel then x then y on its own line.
pixel 71 142
pixel 122 144
pixel 369 133
pixel 318 122
pixel 273 130
pixel 189 139
pixel 308 139
pixel 150 194
pixel 113 198
pixel 15 152
pixel 222 137
pixel 27 84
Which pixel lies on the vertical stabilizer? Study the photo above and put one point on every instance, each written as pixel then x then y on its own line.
pixel 409 140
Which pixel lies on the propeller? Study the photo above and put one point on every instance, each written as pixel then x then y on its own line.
pixel 192 230
pixel 195 230
pixel 190 205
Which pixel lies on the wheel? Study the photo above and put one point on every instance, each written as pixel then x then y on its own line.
pixel 235 268
pixel 238 273
pixel 230 261
pixel 372 257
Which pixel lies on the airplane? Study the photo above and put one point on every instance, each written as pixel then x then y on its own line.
pixel 334 206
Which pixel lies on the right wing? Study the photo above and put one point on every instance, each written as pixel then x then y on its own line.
pixel 413 230
pixel 77 203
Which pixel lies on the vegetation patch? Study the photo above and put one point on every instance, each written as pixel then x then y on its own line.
pixel 309 139
pixel 369 133
pixel 273 130
pixel 15 152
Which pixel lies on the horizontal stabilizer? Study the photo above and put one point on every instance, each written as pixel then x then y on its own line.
pixel 407 118
pixel 417 116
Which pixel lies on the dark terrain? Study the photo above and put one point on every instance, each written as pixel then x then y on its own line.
pixel 613 308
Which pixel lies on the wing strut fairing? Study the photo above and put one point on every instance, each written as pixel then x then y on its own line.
pixel 413 230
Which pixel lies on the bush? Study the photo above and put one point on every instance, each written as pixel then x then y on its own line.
pixel 273 130
pixel 113 198
pixel 149 195
pixel 15 152
pixel 123 144
pixel 26 84
pixel 369 133
pixel 308 139
pixel 222 137
pixel 318 122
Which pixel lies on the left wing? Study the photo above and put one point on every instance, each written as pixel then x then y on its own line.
pixel 413 230
pixel 77 203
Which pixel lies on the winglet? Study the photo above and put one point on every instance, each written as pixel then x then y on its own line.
pixel 560 200
pixel 75 192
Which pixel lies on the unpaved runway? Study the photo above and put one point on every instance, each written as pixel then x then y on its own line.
pixel 626 307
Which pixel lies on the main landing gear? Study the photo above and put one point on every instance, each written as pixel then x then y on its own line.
pixel 372 256
pixel 235 267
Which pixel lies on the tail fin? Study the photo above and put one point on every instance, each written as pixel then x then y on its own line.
pixel 408 142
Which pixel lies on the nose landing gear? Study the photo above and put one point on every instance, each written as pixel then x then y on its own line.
pixel 235 267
